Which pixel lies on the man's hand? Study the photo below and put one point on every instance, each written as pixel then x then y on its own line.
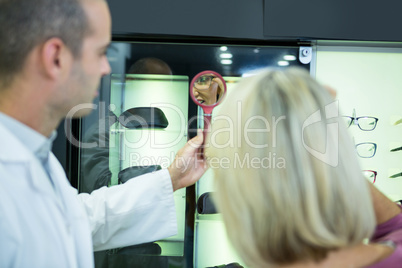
pixel 189 164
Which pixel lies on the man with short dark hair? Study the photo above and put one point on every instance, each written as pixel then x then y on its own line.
pixel 52 56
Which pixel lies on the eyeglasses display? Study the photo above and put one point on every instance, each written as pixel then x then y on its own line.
pixel 396 149
pixel 365 123
pixel 204 82
pixel 366 149
pixel 370 175
pixel 399 121
pixel 396 175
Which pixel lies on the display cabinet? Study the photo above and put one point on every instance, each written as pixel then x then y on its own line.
pixel 143 116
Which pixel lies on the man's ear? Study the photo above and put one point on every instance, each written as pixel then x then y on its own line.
pixel 56 58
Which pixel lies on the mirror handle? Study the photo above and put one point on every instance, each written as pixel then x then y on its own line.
pixel 207 123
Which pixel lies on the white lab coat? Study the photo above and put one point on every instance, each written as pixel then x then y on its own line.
pixel 42 226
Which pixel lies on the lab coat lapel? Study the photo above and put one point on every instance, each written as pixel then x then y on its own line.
pixel 75 215
pixel 60 182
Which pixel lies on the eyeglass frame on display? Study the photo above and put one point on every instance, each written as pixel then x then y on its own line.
pixel 372 171
pixel 375 149
pixel 356 120
pixel 399 174
pixel 396 149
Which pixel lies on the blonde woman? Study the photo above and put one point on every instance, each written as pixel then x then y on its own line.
pixel 288 183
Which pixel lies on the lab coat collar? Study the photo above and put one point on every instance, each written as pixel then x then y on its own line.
pixel 12 150
pixel 28 137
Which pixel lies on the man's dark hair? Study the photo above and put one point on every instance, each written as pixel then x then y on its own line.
pixel 25 24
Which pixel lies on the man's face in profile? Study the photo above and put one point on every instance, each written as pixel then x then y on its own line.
pixel 93 64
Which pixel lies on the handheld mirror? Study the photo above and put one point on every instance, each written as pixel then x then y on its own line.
pixel 207 89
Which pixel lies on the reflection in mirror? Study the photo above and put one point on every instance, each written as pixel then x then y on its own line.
pixel 208 89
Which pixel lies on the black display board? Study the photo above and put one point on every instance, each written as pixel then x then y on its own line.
pixel 364 20
pixel 207 18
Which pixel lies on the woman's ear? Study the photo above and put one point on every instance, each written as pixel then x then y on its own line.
pixel 331 90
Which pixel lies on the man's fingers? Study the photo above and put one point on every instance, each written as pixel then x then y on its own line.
pixel 196 142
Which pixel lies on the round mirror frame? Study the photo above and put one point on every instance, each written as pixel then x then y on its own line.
pixel 207 108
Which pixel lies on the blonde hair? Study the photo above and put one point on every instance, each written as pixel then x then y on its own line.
pixel 280 202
